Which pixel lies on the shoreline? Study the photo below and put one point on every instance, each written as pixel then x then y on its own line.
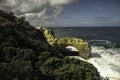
pixel 103 62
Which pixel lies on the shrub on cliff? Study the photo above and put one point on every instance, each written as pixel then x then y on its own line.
pixel 26 55
pixel 69 69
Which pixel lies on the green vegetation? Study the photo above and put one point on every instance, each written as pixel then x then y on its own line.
pixel 61 43
pixel 25 54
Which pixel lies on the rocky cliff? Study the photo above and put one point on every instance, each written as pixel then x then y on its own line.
pixel 25 54
pixel 61 43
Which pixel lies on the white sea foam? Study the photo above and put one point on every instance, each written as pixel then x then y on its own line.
pixel 107 61
pixel 71 48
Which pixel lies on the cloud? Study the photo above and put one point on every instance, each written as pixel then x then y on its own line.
pixel 36 11
pixel 62 2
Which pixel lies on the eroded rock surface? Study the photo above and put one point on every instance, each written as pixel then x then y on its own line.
pixel 60 43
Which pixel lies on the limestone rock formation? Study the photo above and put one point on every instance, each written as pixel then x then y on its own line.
pixel 81 45
pixel 61 43
pixel 25 54
pixel 49 34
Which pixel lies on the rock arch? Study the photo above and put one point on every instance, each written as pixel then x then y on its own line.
pixel 60 43
pixel 81 45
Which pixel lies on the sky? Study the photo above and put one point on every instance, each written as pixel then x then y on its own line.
pixel 92 13
pixel 66 13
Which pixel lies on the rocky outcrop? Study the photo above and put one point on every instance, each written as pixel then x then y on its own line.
pixel 61 43
pixel 49 34
pixel 81 45
pixel 25 54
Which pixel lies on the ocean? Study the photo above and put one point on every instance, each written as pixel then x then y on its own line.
pixel 105 44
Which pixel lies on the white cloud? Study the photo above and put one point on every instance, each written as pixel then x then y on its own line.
pixel 61 2
pixel 41 11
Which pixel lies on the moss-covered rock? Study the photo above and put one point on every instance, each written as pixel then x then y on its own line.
pixel 61 43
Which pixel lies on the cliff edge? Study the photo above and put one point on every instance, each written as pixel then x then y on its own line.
pixel 25 54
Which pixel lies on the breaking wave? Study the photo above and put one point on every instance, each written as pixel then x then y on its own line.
pixel 107 61
pixel 105 43
pixel 105 56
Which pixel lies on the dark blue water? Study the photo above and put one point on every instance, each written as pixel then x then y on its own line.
pixel 97 36
pixel 104 41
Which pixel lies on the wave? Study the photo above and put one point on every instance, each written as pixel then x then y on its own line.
pixel 107 61
pixel 70 29
pixel 105 43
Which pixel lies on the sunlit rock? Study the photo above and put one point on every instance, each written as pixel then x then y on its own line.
pixel 61 43
pixel 49 34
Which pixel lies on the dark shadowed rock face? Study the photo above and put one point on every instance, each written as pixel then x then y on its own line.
pixel 25 54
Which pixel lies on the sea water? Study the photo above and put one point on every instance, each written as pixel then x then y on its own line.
pixel 105 44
